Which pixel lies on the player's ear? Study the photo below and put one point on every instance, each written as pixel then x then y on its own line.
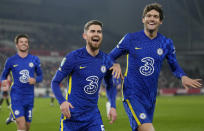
pixel 143 20
pixel 161 22
pixel 84 36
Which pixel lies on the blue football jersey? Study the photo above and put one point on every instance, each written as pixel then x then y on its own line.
pixel 144 60
pixel 85 74
pixel 21 69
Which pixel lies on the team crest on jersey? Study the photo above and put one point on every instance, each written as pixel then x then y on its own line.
pixel 31 64
pixel 103 69
pixel 142 116
pixel 159 51
pixel 17 112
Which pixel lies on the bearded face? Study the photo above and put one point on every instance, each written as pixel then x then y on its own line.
pixel 93 37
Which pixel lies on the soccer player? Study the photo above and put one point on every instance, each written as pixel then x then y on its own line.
pixel 5 92
pixel 116 85
pixel 25 71
pixel 85 67
pixel 146 51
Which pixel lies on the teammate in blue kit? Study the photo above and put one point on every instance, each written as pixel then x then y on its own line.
pixel 25 72
pixel 146 51
pixel 85 68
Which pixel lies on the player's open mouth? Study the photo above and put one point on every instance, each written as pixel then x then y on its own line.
pixel 95 39
pixel 151 23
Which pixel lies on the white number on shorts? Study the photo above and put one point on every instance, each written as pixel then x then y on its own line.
pixel 30 113
pixel 102 128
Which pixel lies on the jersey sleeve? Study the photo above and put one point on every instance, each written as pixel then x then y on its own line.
pixel 108 61
pixel 38 71
pixel 171 58
pixel 6 71
pixel 64 70
pixel 111 90
pixel 122 48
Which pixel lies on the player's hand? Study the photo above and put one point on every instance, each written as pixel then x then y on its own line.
pixel 31 81
pixel 5 86
pixel 64 107
pixel 116 71
pixel 188 82
pixel 112 115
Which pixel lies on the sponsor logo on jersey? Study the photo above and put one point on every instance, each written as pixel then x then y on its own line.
pixel 92 87
pixel 103 69
pixel 82 67
pixel 159 51
pixel 15 65
pixel 137 48
pixel 148 68
pixel 17 112
pixel 142 116
pixel 31 64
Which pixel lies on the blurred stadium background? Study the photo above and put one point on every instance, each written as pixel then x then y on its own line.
pixel 56 27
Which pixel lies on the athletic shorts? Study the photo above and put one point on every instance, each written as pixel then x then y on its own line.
pixel 138 112
pixel 5 93
pixel 83 121
pixel 21 108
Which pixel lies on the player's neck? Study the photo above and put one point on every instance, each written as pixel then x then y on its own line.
pixel 22 54
pixel 91 51
pixel 151 33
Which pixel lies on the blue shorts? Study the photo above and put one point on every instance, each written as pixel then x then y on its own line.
pixel 138 112
pixel 21 108
pixel 82 121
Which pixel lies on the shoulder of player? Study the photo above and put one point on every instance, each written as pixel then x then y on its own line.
pixel 165 39
pixel 10 59
pixel 33 57
pixel 134 35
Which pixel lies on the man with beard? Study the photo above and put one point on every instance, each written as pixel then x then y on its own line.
pixel 85 68
pixel 25 72
pixel 146 51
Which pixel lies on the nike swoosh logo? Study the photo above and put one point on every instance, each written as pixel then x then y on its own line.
pixel 136 48
pixel 82 67
pixel 15 65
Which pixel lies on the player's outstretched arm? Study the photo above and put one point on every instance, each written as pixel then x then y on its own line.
pixel 116 71
pixel 65 109
pixel 188 82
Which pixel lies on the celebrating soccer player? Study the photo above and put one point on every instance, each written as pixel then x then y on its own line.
pixel 146 50
pixel 25 71
pixel 85 67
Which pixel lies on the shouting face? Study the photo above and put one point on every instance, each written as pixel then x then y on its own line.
pixel 93 36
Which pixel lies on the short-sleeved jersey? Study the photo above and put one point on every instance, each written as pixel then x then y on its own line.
pixel 21 70
pixel 144 60
pixel 85 73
